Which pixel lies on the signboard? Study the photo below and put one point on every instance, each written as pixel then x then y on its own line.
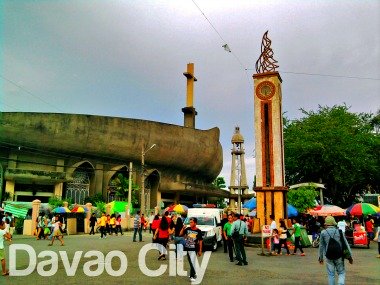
pixel 265 231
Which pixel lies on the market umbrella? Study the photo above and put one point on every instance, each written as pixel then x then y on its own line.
pixel 61 210
pixel 292 211
pixel 180 208
pixel 170 208
pixel 252 213
pixel 361 209
pixel 79 209
pixel 328 210
pixel 250 204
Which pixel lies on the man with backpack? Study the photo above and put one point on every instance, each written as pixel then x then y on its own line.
pixel 332 244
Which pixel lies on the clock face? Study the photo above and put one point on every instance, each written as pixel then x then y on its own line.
pixel 265 90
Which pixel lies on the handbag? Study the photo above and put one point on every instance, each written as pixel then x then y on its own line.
pixel 345 251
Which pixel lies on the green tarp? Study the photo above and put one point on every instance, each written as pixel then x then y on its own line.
pixel 18 211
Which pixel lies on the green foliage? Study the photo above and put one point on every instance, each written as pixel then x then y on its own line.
pixel 100 208
pixel 334 147
pixel 219 183
pixel 19 225
pixel 302 198
pixel 55 202
pixel 98 197
pixel 121 184
pixel 221 203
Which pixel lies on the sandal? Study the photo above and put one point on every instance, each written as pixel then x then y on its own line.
pixel 5 274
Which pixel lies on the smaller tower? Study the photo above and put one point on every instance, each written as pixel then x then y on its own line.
pixel 189 111
pixel 238 183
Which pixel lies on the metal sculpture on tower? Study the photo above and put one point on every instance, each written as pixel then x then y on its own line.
pixel 266 62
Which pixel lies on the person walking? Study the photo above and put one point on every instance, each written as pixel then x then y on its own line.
pixel 283 237
pixel 222 223
pixel 297 237
pixel 102 223
pixel 93 221
pixel 228 238
pixel 137 227
pixel 151 218
pixel 377 238
pixel 162 235
pixel 239 233
pixel 118 225
pixel 193 245
pixel 57 232
pixel 332 265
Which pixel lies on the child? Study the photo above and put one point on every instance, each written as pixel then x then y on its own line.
pixel 276 241
pixel 377 238
pixel 3 234
pixel 57 232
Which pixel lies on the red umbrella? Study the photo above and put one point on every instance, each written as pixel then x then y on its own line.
pixel 328 210
pixel 170 208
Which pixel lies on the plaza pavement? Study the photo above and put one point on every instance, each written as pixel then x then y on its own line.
pixel 260 270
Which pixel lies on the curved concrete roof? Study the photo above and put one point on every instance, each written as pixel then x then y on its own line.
pixel 186 149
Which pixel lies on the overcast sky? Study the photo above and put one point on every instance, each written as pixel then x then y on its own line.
pixel 126 59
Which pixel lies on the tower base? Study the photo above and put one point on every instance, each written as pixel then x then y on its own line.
pixel 271 201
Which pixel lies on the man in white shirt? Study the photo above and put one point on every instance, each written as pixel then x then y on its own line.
pixel 342 225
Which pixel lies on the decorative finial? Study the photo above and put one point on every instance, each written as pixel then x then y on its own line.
pixel 266 62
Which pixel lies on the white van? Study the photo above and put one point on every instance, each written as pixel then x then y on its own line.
pixel 209 223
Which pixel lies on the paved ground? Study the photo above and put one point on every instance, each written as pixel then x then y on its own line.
pixel 260 270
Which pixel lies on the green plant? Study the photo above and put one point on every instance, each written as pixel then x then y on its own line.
pixel 19 226
pixel 121 184
pixel 55 201
pixel 101 207
pixel 98 197
pixel 7 196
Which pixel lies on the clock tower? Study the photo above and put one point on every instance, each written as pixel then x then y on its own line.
pixel 270 169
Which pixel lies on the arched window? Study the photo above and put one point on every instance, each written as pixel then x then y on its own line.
pixel 79 188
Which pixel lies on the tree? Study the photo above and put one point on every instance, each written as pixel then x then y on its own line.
pixel 121 184
pixel 219 183
pixel 334 147
pixel 302 198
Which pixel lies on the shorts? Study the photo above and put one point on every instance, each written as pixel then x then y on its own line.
pixel 2 254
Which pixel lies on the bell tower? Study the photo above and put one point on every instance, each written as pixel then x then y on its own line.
pixel 270 168
pixel 238 183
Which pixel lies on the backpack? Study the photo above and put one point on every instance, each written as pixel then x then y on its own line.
pixel 334 249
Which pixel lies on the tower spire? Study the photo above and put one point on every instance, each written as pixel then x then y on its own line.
pixel 189 110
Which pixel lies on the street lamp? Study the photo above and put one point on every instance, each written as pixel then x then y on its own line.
pixel 143 152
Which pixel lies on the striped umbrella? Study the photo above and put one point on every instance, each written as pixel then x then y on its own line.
pixel 361 209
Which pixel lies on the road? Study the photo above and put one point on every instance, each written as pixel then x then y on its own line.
pixel 219 270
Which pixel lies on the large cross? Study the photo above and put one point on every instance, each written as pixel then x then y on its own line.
pixel 190 84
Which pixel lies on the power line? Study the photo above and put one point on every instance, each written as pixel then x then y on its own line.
pixel 30 93
pixel 225 45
